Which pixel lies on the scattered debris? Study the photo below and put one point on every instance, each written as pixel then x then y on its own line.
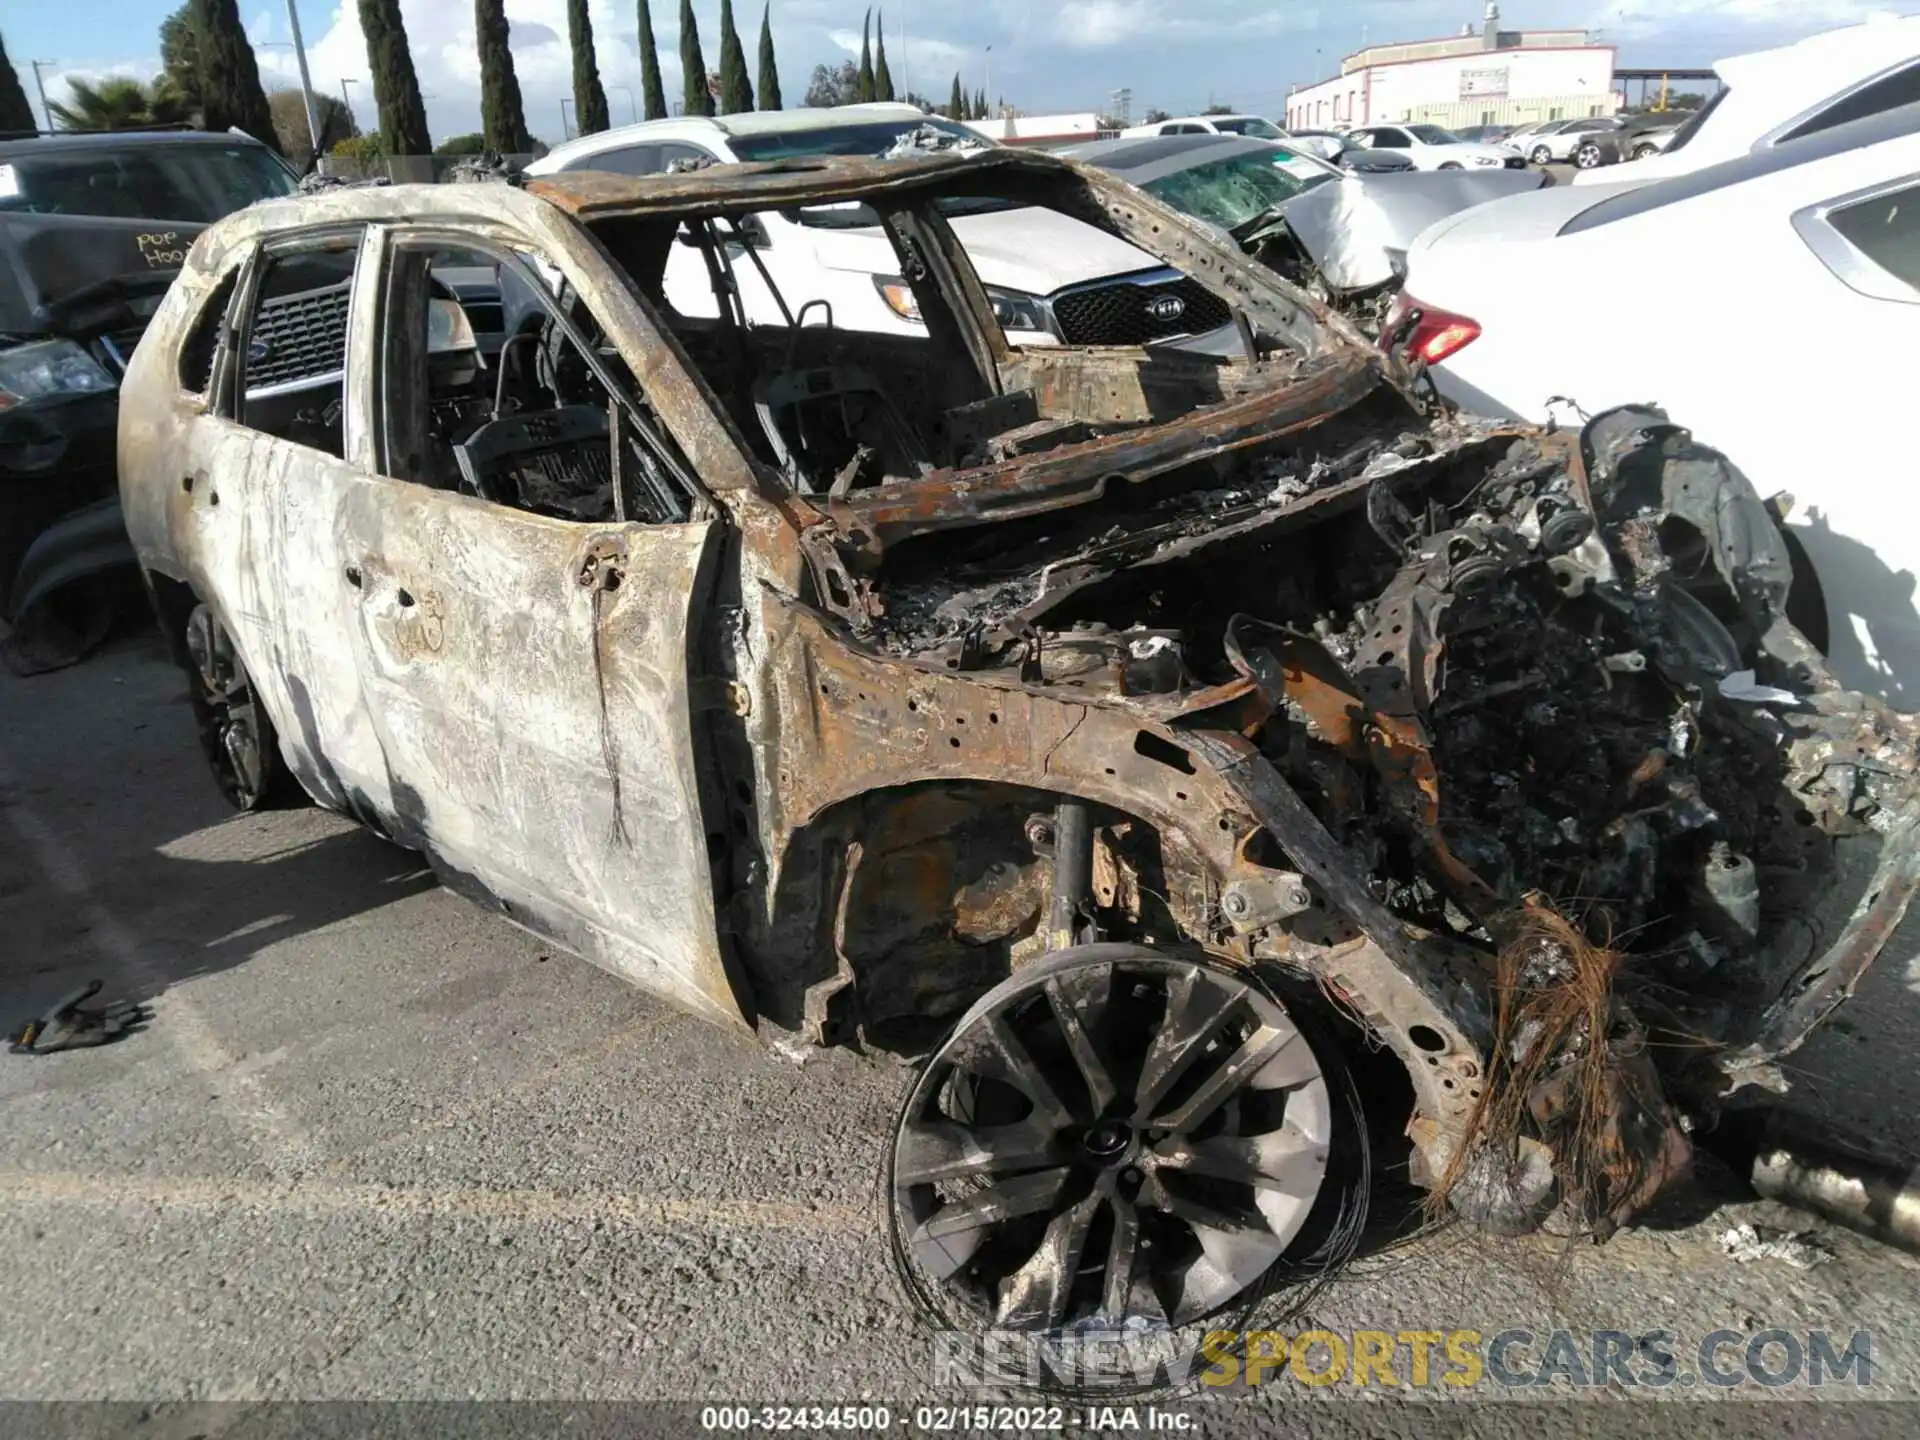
pixel 1746 1243
pixel 488 167
pixel 929 139
pixel 73 1025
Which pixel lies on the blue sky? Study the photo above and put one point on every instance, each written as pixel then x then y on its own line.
pixel 1174 54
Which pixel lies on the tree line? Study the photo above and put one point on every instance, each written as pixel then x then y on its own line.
pixel 209 77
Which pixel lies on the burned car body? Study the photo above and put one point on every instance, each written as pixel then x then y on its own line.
pixel 1121 726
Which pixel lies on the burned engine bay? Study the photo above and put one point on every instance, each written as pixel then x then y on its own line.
pixel 1543 690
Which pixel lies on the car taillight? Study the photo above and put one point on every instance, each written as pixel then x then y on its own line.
pixel 1426 333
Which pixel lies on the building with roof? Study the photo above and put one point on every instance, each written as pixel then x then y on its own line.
pixel 1487 76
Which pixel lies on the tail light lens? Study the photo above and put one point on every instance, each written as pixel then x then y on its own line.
pixel 1424 333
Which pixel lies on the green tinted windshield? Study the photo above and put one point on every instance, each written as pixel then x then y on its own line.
pixel 195 184
pixel 1230 192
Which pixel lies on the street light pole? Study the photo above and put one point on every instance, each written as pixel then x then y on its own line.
pixel 41 86
pixel 565 132
pixel 989 73
pixel 633 110
pixel 306 80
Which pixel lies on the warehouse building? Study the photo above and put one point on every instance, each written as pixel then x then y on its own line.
pixel 1487 76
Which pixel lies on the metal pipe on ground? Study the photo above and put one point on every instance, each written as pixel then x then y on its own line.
pixel 1839 1177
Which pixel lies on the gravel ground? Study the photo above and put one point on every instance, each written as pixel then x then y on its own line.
pixel 377 1145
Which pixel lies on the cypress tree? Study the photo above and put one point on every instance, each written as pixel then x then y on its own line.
pixel 396 90
pixel 15 112
pixel 957 102
pixel 863 89
pixel 693 65
pixel 769 71
pixel 229 75
pixel 882 77
pixel 652 93
pixel 589 96
pixel 501 119
pixel 736 90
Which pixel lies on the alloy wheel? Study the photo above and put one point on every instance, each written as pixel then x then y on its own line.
pixel 235 734
pixel 1587 156
pixel 1541 155
pixel 1114 1133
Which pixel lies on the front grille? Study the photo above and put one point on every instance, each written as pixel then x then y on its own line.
pixel 1124 313
pixel 1516 162
pixel 298 337
pixel 124 339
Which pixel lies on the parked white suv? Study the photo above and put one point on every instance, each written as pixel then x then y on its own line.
pixel 1052 279
pixel 1432 148
pixel 1773 96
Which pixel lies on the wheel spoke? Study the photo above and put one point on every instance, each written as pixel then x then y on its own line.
pixel 1266 1043
pixel 946 1240
pixel 1124 1295
pixel 993 1051
pixel 930 1150
pixel 1196 1008
pixel 1079 998
pixel 1035 1295
pixel 1283 1160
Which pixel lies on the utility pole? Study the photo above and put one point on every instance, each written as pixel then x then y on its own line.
pixel 566 132
pixel 41 86
pixel 633 110
pixel 306 80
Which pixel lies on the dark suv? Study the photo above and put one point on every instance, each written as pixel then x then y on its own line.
pixel 93 228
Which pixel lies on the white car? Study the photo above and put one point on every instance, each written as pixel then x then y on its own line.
pixel 1052 279
pixel 1432 148
pixel 1772 301
pixel 1250 125
pixel 1773 96
pixel 1585 144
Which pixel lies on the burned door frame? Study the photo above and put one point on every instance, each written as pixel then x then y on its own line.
pixel 248 491
pixel 530 681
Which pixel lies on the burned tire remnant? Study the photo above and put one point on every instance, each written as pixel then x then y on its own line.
pixel 236 736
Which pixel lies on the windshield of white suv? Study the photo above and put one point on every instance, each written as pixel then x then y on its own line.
pixel 194 184
pixel 1230 192
pixel 1433 135
pixel 874 137
pixel 1248 125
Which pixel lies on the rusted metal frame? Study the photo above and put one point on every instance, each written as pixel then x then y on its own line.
pixel 771 184
pixel 1075 474
pixel 926 231
pixel 1149 548
pixel 1431 1012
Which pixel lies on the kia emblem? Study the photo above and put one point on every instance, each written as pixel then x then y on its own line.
pixel 1166 307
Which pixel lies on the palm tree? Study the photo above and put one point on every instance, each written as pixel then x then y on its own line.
pixel 115 103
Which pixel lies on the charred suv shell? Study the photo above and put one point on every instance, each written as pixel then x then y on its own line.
pixel 832 678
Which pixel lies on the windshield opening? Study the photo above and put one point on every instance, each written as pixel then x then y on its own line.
pixel 1248 125
pixel 1432 135
pixel 194 184
pixel 1233 191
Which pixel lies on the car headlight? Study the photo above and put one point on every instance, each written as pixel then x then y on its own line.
pixel 899 297
pixel 48 367
pixel 1014 309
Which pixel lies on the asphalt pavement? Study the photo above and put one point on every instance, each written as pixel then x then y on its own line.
pixel 378 1145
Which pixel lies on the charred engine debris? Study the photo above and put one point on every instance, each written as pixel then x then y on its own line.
pixel 1543 689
